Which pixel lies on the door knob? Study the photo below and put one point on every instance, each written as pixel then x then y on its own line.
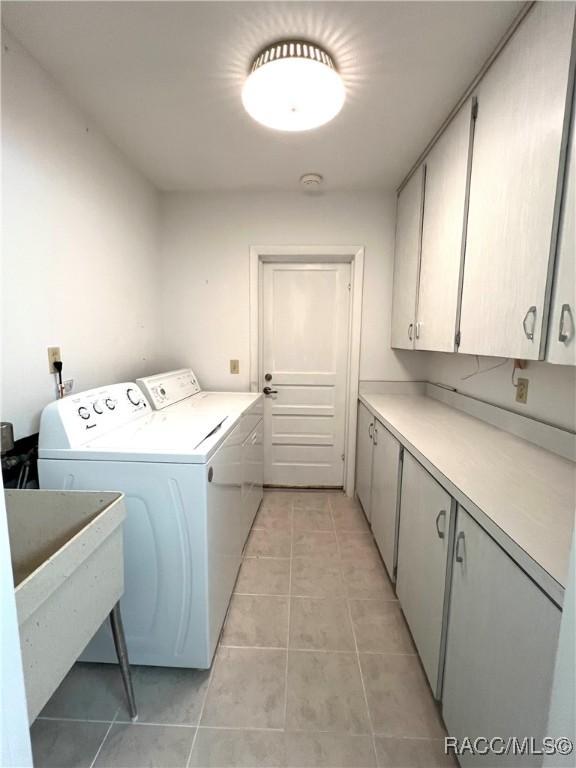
pixel 268 376
pixel 270 391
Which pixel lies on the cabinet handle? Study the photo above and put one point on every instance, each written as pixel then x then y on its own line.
pixel 417 329
pixel 441 514
pixel 371 430
pixel 530 333
pixel 459 538
pixel 564 337
pixel 375 436
pixel 410 331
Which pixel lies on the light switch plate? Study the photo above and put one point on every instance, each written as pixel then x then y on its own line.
pixel 234 366
pixel 522 391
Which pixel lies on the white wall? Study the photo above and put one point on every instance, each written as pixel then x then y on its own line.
pixel 205 266
pixel 79 247
pixel 551 389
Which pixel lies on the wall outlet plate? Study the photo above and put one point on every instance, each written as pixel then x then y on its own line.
pixel 68 386
pixel 234 366
pixel 54 356
pixel 522 391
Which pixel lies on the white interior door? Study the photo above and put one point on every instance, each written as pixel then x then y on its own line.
pixel 305 311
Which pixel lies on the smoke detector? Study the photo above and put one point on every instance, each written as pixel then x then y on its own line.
pixel 311 181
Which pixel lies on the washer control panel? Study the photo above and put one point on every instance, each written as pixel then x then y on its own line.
pixel 79 418
pixel 165 389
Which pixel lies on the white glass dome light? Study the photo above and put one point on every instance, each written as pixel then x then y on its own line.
pixel 293 85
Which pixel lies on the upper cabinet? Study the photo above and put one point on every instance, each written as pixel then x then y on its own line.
pixel 562 330
pixel 443 233
pixel 513 188
pixel 478 245
pixel 407 260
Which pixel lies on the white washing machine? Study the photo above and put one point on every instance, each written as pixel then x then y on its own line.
pixel 192 479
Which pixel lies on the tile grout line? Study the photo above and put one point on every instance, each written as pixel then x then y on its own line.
pixel 371 724
pixel 308 650
pixel 201 713
pixel 95 758
pixel 289 612
pixel 74 720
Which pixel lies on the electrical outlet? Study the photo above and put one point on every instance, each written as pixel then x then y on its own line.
pixel 54 356
pixel 234 366
pixel 68 386
pixel 522 391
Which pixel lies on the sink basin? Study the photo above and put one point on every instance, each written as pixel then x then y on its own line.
pixel 67 562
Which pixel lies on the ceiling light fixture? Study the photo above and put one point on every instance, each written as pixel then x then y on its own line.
pixel 293 85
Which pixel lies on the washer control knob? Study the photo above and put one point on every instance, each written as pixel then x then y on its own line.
pixel 97 406
pixel 110 404
pixel 133 396
pixel 83 412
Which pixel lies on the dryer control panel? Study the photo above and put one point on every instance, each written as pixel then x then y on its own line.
pixel 165 389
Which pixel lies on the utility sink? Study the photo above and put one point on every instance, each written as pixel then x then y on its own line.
pixel 67 561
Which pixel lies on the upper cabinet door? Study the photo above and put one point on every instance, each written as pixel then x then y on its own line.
pixel 407 260
pixel 562 330
pixel 515 169
pixel 443 232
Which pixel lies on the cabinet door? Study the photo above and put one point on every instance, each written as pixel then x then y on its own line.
pixel 385 487
pixel 443 229
pixel 407 260
pixel 502 638
pixel 562 331
pixel 425 513
pixel 513 187
pixel 364 457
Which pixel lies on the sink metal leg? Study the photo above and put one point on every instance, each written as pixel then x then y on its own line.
pixel 122 653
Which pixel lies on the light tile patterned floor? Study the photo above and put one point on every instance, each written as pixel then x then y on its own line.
pixel 315 668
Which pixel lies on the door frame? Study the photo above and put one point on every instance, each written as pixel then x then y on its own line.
pixel 315 254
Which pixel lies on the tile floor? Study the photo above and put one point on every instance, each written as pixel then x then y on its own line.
pixel 315 667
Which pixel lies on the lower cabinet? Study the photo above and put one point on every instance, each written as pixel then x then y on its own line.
pixel 501 646
pixel 364 457
pixel 423 545
pixel 386 467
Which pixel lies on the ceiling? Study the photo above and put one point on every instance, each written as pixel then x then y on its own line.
pixel 163 80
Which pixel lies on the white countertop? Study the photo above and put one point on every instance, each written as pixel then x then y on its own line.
pixel 521 494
